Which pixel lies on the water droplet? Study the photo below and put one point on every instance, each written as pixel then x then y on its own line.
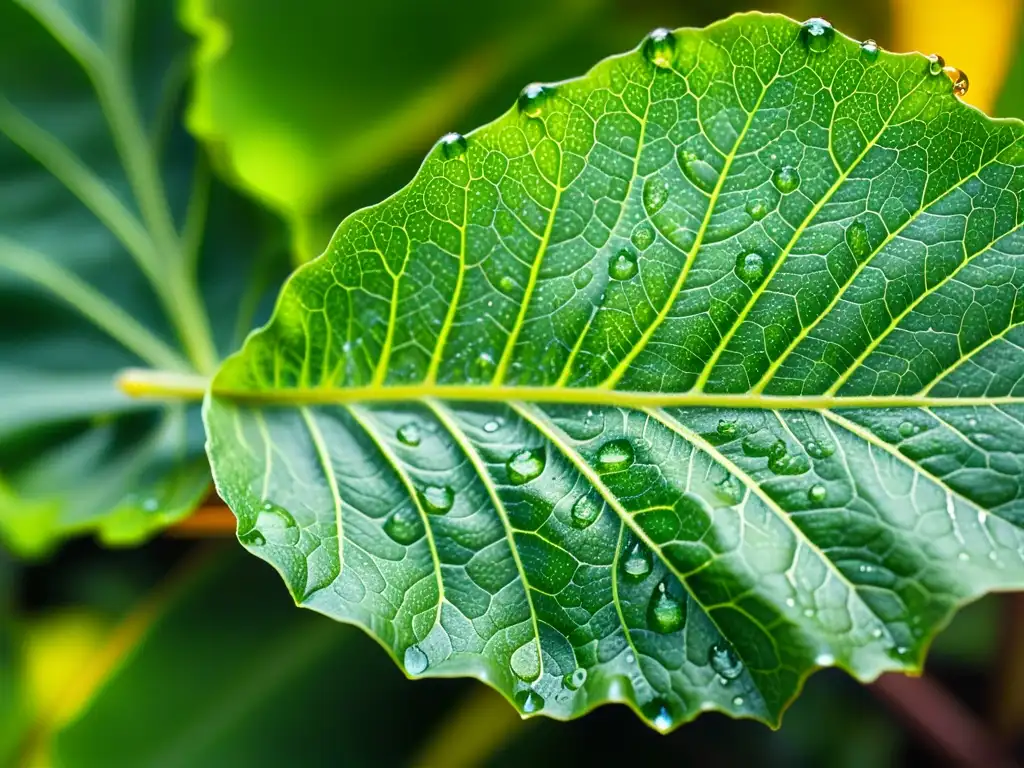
pixel 907 429
pixel 876 632
pixel 749 267
pixel 482 368
pixel 575 679
pixel 869 50
pixel 936 64
pixel 252 538
pixel 817 493
pixel 615 455
pixel 525 465
pixel 820 449
pixel 659 714
pixel 786 179
pixel 756 209
pixel 623 265
pixel 963 557
pixel 643 236
pixel 491 426
pixel 582 278
pixel 636 563
pixel 630 658
pixel 737 701
pixel 525 662
pixel 437 499
pixel 655 195
pixel 404 526
pixel 701 174
pixel 809 613
pixel 453 145
pixel 532 98
pixel 724 661
pixel 660 48
pixel 727 428
pixel 585 511
pixel 817 35
pixel 416 660
pixel 409 434
pixel 824 659
pixel 730 490
pixel 763 443
pixel 151 504
pixel 790 602
pixel 529 701
pixel 787 464
pixel 960 83
pixel 857 240
pixel 507 284
pixel 277 525
pixel 666 612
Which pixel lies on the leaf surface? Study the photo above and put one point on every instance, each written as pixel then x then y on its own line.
pixel 673 384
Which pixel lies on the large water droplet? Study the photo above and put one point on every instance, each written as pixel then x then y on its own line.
pixel 437 499
pixel 453 145
pixel 277 525
pixel 756 209
pixel 724 661
pixel 660 48
pixel 750 267
pixel 623 265
pixel 907 429
pixel 786 179
pixel 404 526
pixel 960 83
pixel 416 660
pixel 869 50
pixel 575 679
pixel 655 195
pixel 817 35
pixel 585 511
pixel 532 99
pixel 643 236
pixel 857 240
pixel 409 434
pixel 252 538
pixel 529 701
pixel 636 562
pixel 700 173
pixel 582 278
pixel 525 662
pixel 666 612
pixel 525 465
pixel 507 284
pixel 936 64
pixel 817 493
pixel 615 455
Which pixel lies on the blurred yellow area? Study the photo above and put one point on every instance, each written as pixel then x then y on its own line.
pixel 978 37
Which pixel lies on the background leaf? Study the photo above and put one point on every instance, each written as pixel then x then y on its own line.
pixel 759 215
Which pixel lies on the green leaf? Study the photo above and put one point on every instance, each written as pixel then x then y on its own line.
pixel 673 384
pixel 106 234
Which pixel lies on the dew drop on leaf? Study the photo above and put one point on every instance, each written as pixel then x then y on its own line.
pixel 936 64
pixel 492 426
pixel 643 236
pixel 737 701
pixel 623 265
pixel 724 661
pixel 786 179
pixel 727 428
pixel 817 35
pixel 437 499
pixel 869 50
pixel 252 538
pixel 615 455
pixel 756 209
pixel 482 368
pixel 415 660
pixel 404 526
pixel 529 701
pixel 525 465
pixel 409 434
pixel 658 713
pixel 636 562
pixel 655 195
pixel 749 267
pixel 907 429
pixel 817 493
pixel 700 173
pixel 666 612
pixel 531 99
pixel 507 284
pixel 582 278
pixel 453 145
pixel 730 490
pixel 960 83
pixel 585 511
pixel 857 240
pixel 660 48
pixel 277 525
pixel 525 662
pixel 575 679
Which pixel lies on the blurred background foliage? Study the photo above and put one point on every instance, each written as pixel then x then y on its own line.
pixel 189 653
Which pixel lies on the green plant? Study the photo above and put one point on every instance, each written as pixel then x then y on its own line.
pixel 673 384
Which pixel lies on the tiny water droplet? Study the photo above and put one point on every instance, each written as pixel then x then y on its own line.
pixel 666 613
pixel 724 661
pixel 869 50
pixel 507 284
pixel 809 613
pixel 416 660
pixel 643 236
pixel 585 511
pixel 936 64
pixel 790 602
pixel 907 429
pixel 529 701
pixel 525 465
pixel 817 493
pixel 857 240
pixel 575 679
pixel 737 701
pixel 482 368
pixel 817 35
pixel 623 265
pixel 660 48
pixel 636 563
pixel 404 526
pixel 582 278
pixel 525 662
pixel 615 455
pixel 756 209
pixel 630 658
pixel 409 434
pixel 786 179
pixel 437 499
pixel 876 632
pixel 963 557
pixel 824 659
pixel 655 195
pixel 749 267
pixel 532 98
pixel 491 426
pixel 453 145
pixel 659 714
